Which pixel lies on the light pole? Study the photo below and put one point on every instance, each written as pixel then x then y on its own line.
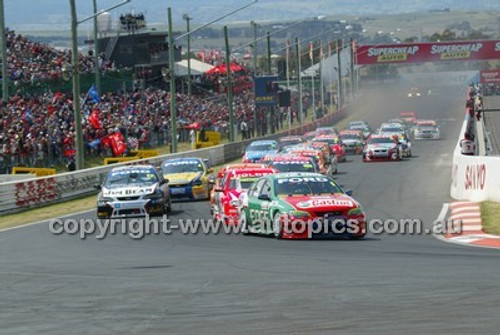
pixel 5 75
pixel 97 70
pixel 229 87
pixel 268 37
pixel 187 18
pixel 80 160
pixel 254 58
pixel 171 65
pixel 339 71
pixel 299 82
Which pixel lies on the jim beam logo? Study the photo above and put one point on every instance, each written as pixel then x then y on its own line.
pixel 455 51
pixel 392 54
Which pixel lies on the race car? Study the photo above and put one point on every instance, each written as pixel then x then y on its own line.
pixel 353 141
pixel 300 205
pixel 294 163
pixel 267 159
pixel 410 118
pixel 290 141
pixel 382 147
pixel 335 143
pixel 258 149
pixel 360 125
pixel 188 178
pixel 414 92
pixel 217 181
pixel 133 191
pixel 399 132
pixel 426 129
pixel 309 136
pixel 326 131
pixel 234 183
pixel 319 158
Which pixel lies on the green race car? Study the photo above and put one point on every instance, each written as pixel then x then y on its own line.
pixel 300 205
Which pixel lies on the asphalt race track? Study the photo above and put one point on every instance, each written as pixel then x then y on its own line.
pixel 224 284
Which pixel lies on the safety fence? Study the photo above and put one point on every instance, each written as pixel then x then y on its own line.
pixel 21 195
pixel 474 177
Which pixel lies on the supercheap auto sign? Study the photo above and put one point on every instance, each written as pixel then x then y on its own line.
pixel 427 52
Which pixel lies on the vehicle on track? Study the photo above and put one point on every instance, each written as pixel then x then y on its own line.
pixel 317 155
pixel 234 183
pixel 216 180
pixel 290 141
pixel 410 118
pixel 189 178
pixel 258 149
pixel 400 132
pixel 353 141
pixel 427 129
pixel 414 92
pixel 309 136
pixel 294 163
pixel 137 190
pixel 300 205
pixel 335 144
pixel 382 147
pixel 360 125
pixel 327 131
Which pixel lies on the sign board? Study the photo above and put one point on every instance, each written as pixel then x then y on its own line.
pixel 266 91
pixel 405 53
pixel 490 77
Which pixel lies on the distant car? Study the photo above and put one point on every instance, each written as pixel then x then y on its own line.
pixel 335 143
pixel 382 147
pixel 258 149
pixel 326 131
pixel 414 92
pixel 309 136
pixel 137 190
pixel 401 133
pixel 292 205
pixel 289 141
pixel 353 141
pixel 427 129
pixel 319 158
pixel 189 178
pixel 234 183
pixel 409 118
pixel 360 125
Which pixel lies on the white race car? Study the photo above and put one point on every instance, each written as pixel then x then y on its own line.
pixel 137 190
pixel 426 129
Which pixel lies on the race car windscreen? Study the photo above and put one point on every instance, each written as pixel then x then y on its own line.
pixel 290 142
pixel 391 130
pixel 182 167
pixel 244 183
pixel 349 137
pixel 262 147
pixel 294 166
pixel 381 140
pixel 330 141
pixel 305 186
pixel 128 178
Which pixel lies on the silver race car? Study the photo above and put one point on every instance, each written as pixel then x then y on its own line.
pixel 426 129
pixel 137 190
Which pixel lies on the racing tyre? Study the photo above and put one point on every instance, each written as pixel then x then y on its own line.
pixel 167 207
pixel 277 226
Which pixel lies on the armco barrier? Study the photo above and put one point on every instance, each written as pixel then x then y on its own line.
pixel 20 195
pixel 474 178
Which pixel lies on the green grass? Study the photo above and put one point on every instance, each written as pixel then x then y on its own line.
pixel 490 215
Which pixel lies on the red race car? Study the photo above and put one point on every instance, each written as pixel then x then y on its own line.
pixel 382 147
pixel 225 169
pixel 335 143
pixel 294 163
pixel 289 141
pixel 234 183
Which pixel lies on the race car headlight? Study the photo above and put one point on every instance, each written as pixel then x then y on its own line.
pixel 299 214
pixel 155 195
pixel 418 94
pixel 234 202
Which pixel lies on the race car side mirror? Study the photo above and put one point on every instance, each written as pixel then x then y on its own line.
pixel 210 170
pixel 97 186
pixel 349 192
pixel 164 181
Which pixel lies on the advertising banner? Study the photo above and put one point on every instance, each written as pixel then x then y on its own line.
pixel 266 91
pixel 427 52
pixel 490 77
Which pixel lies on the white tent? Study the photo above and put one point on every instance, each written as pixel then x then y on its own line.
pixel 197 68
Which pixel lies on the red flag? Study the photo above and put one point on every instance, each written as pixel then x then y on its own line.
pixel 56 97
pixel 117 144
pixel 50 109
pixel 94 119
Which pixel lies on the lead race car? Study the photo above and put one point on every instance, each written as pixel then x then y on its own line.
pixel 189 178
pixel 426 129
pixel 382 147
pixel 300 205
pixel 133 191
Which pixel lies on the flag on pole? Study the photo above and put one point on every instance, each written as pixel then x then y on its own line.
pixel 92 94
pixel 321 52
pixel 311 51
pixel 329 50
